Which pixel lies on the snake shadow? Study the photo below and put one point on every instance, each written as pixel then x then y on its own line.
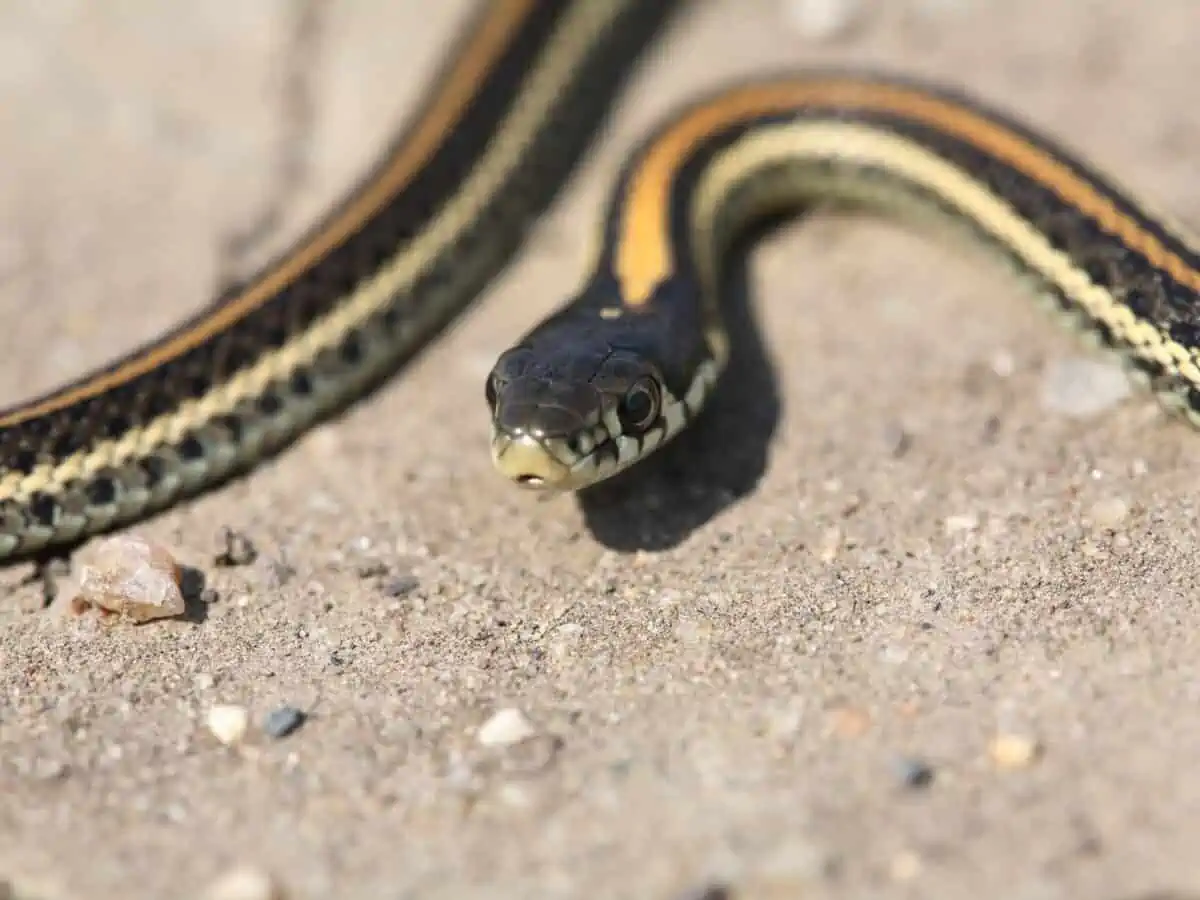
pixel 720 457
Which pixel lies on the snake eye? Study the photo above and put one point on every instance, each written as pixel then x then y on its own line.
pixel 639 406
pixel 490 391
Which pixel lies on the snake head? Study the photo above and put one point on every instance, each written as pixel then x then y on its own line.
pixel 567 413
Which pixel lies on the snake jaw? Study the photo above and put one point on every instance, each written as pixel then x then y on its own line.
pixel 552 464
pixel 527 462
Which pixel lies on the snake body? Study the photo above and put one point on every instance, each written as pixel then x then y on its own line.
pixel 632 355
pixel 629 360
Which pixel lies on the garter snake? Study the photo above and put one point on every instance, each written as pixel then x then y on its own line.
pixel 630 358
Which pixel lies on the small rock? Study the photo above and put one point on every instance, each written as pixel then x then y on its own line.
pixel 281 722
pixel 228 723
pixel 245 883
pixel 830 544
pixel 960 524
pixel 905 866
pixel 515 795
pixel 991 429
pixel 132 577
pixel 506 727
pixel 822 20
pixel 849 722
pixel 914 773
pixel 401 585
pixel 372 569
pixel 1108 513
pixel 1082 388
pixel 51 574
pixel 896 440
pixel 1003 364
pixel 237 550
pixel 1014 751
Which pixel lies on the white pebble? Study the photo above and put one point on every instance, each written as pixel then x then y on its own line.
pixel 821 20
pixel 1082 387
pixel 830 543
pixel 505 728
pixel 1108 513
pixel 960 524
pixel 130 576
pixel 1014 751
pixel 228 723
pixel 517 796
pixel 1003 364
pixel 905 866
pixel 245 883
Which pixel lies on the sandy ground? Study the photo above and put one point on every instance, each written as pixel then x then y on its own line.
pixel 885 549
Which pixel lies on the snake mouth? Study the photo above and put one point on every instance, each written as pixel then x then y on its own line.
pixel 550 465
pixel 544 465
pixel 527 461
